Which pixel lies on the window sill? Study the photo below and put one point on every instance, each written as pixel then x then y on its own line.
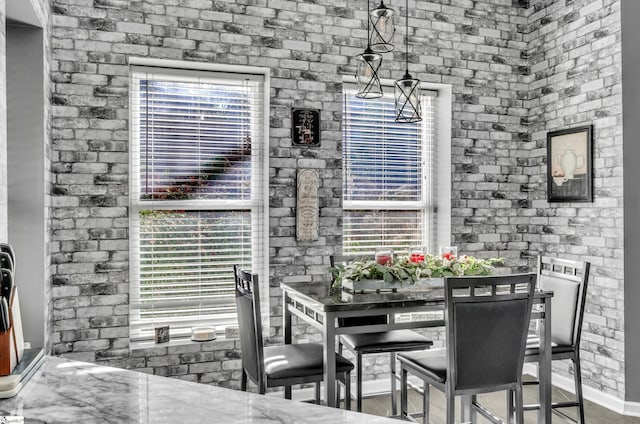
pixel 178 341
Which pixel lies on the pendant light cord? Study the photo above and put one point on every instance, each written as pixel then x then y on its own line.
pixel 368 23
pixel 406 37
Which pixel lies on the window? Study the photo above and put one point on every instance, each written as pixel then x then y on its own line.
pixel 197 195
pixel 388 175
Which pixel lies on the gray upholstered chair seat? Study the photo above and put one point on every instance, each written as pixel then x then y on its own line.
pixel 433 362
pixel 298 360
pixel 533 347
pixel 386 341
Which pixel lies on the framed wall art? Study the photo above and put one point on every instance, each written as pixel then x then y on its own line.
pixel 305 127
pixel 569 165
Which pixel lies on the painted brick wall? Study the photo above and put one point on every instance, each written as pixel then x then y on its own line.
pixel 489 51
pixel 4 234
pixel 575 51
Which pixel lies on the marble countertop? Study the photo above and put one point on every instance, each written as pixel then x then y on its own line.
pixel 65 391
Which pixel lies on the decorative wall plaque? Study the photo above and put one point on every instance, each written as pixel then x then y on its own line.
pixel 307 209
pixel 305 127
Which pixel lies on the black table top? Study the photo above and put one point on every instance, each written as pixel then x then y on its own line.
pixel 337 300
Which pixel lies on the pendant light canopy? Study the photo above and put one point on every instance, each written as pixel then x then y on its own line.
pixel 407 89
pixel 381 36
pixel 367 71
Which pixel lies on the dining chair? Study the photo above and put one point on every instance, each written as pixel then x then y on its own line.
pixel 486 321
pixel 568 280
pixel 392 342
pixel 278 366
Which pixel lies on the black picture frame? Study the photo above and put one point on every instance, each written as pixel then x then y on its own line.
pixel 161 334
pixel 570 165
pixel 305 127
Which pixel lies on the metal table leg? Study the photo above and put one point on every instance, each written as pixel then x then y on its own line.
pixel 329 357
pixel 287 333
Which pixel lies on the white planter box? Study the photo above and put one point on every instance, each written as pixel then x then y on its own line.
pixel 375 286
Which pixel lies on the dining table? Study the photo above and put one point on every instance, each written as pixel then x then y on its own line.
pixel 322 306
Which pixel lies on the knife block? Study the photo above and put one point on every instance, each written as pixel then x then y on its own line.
pixel 12 340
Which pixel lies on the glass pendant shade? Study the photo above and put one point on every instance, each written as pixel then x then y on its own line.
pixel 367 75
pixel 381 36
pixel 407 96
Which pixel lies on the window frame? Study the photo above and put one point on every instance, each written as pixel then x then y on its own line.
pixel 259 207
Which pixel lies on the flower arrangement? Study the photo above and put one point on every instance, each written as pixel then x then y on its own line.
pixel 411 268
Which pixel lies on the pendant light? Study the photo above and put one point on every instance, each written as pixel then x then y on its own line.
pixel 367 72
pixel 383 29
pixel 407 89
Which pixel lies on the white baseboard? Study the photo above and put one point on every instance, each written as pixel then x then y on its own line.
pixel 605 400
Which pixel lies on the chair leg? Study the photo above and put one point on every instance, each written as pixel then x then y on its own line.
pixel 451 407
pixel 474 414
pixel 359 382
pixel 394 396
pixel 519 404
pixel 317 393
pixel 577 375
pixel 425 402
pixel 347 391
pixel 338 386
pixel 465 408
pixel 404 413
pixel 510 406
pixel 243 381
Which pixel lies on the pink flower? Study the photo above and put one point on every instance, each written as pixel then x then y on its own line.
pixel 448 256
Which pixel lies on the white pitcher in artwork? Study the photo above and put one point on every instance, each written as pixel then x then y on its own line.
pixel 569 162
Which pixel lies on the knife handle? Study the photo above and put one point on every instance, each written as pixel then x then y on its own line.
pixel 6 284
pixel 6 248
pixel 4 315
pixel 5 261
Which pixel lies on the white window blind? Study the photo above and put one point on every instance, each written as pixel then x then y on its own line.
pixel 197 196
pixel 387 175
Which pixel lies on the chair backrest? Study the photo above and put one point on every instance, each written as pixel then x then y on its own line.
pixel 487 319
pixel 568 280
pixel 248 309
pixel 355 321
